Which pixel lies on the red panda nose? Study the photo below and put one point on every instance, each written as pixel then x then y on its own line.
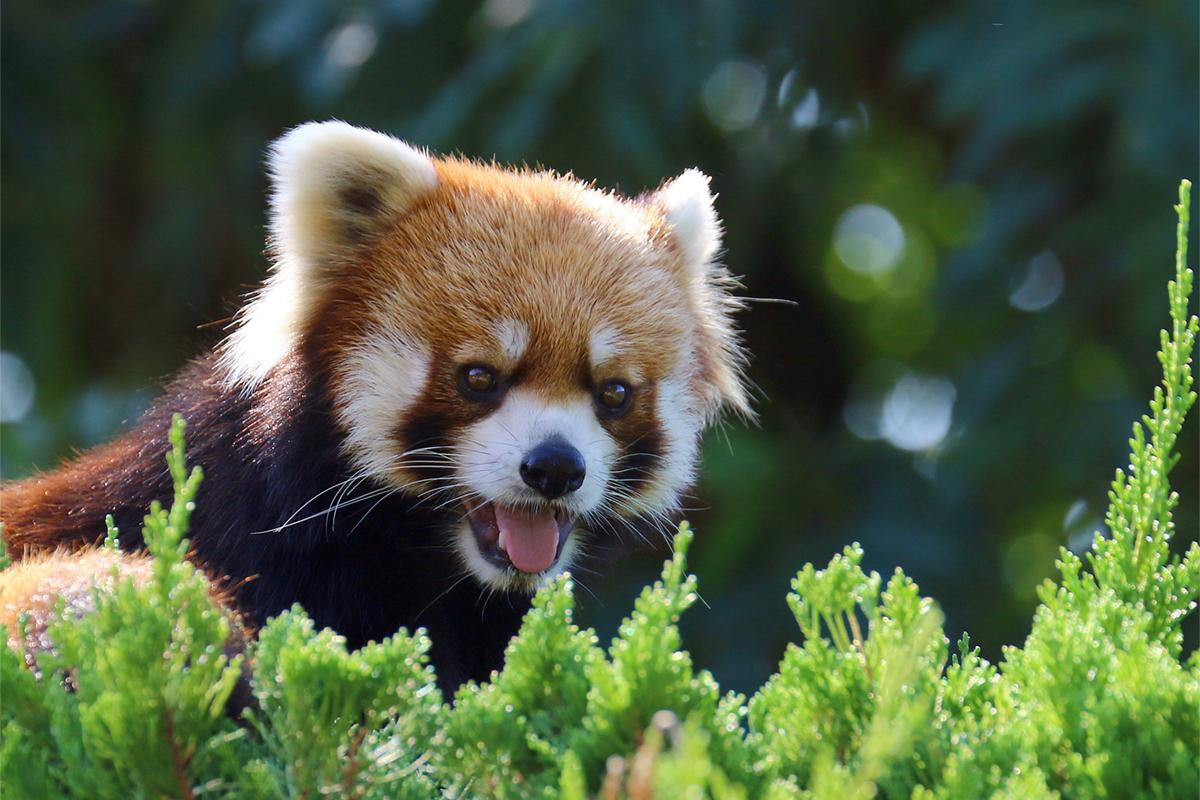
pixel 553 468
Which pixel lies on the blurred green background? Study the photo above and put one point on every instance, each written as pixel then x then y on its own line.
pixel 968 203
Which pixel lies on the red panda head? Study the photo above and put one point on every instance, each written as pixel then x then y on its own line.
pixel 522 350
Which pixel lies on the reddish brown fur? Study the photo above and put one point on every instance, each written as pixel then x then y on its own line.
pixel 30 591
pixel 65 509
pixel 483 245
pixel 446 282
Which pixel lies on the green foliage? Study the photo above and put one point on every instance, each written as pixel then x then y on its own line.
pixel 1097 703
pixel 1013 141
pixel 148 675
pixel 358 724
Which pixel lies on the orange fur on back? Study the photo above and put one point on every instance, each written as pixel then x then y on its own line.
pixel 30 591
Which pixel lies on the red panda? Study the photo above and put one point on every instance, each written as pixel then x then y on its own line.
pixel 454 373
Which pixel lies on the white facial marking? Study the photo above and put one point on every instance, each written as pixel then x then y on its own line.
pixel 492 449
pixel 380 378
pixel 489 466
pixel 680 424
pixel 603 346
pixel 513 337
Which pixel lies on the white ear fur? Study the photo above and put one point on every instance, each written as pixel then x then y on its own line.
pixel 332 184
pixel 689 207
pixel 333 181
pixel 688 204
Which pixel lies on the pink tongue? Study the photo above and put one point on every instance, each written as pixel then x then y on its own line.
pixel 531 540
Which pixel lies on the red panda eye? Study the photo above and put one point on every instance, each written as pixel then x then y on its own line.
pixel 477 379
pixel 614 396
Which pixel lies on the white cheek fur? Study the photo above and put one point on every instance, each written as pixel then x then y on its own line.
pixel 381 377
pixel 680 425
pixel 385 374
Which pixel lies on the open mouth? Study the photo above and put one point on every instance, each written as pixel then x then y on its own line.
pixel 527 540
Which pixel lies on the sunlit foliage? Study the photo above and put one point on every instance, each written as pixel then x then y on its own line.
pixel 1097 702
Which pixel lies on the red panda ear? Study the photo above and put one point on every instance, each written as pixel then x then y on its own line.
pixel 333 183
pixel 688 205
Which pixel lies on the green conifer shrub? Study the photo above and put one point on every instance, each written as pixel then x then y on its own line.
pixel 1099 702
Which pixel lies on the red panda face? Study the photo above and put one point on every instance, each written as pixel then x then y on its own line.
pixel 531 355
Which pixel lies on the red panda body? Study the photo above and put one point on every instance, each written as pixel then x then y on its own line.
pixel 454 373
pixel 365 585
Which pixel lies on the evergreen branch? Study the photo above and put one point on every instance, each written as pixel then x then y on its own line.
pixel 1096 703
pixel 179 761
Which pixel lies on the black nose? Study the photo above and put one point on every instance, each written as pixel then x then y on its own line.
pixel 553 468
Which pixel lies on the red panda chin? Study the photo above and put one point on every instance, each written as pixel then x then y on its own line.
pixel 526 540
